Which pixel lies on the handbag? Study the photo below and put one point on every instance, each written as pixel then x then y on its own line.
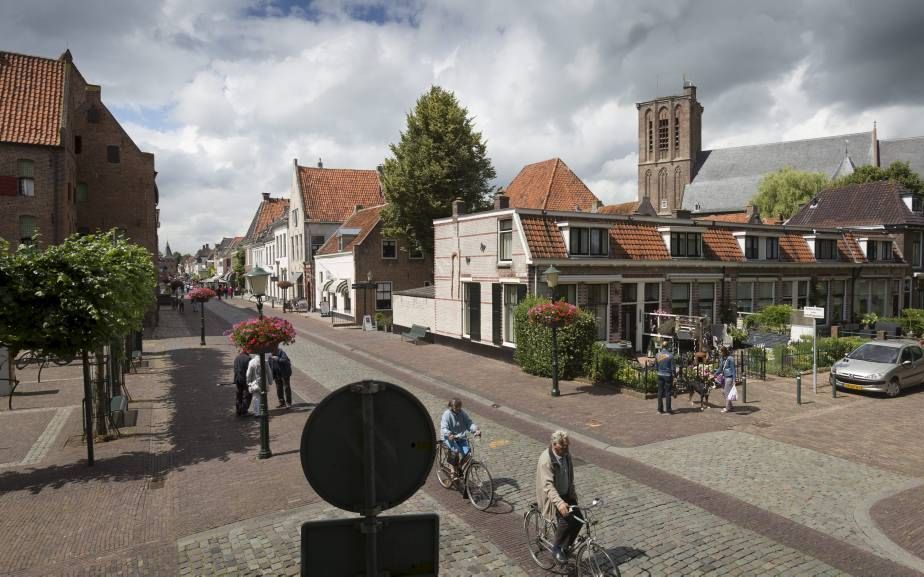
pixel 732 394
pixel 720 380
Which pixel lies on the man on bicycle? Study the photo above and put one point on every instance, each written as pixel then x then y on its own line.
pixel 555 493
pixel 456 422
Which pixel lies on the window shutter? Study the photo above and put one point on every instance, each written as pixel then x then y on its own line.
pixel 497 298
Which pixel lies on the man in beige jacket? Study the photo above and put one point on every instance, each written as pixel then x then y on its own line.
pixel 555 493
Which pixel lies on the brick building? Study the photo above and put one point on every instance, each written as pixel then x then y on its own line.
pixel 66 164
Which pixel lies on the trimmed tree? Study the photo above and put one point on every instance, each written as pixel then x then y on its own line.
pixel 439 158
pixel 782 192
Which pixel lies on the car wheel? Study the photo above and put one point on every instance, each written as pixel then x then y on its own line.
pixel 893 389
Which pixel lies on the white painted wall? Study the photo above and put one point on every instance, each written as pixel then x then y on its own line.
pixel 338 266
pixel 408 311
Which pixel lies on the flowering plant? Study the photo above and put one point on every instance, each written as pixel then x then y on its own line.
pixel 201 295
pixel 557 314
pixel 255 335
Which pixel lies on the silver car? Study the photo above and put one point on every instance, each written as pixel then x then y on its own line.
pixel 880 366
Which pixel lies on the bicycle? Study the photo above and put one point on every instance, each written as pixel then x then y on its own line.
pixel 476 480
pixel 591 558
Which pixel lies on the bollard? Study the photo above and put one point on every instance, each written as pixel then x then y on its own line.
pixel 833 389
pixel 798 389
pixel 744 389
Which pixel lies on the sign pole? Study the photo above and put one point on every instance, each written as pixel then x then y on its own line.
pixel 814 355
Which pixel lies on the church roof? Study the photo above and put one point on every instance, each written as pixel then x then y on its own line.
pixel 910 150
pixel 727 178
pixel 550 185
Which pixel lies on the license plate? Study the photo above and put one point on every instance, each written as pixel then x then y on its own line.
pixel 852 386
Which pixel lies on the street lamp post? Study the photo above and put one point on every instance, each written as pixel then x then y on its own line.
pixel 202 323
pixel 369 286
pixel 551 279
pixel 257 280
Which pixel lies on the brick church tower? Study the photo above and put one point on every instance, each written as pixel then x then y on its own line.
pixel 669 140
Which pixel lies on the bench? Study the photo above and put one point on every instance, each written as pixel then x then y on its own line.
pixel 300 306
pixel 118 406
pixel 416 333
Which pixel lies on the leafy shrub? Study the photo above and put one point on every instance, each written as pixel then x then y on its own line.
pixel 774 318
pixel 912 321
pixel 608 367
pixel 534 342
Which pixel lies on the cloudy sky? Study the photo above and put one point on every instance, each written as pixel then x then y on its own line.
pixel 226 93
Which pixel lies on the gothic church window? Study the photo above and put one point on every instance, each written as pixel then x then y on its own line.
pixel 678 185
pixel 650 124
pixel 676 130
pixel 663 193
pixel 648 184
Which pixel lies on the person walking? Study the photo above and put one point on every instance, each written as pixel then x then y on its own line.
pixel 726 376
pixel 556 495
pixel 282 373
pixel 253 383
pixel 664 363
pixel 243 398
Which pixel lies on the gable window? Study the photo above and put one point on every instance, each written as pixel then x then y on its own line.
pixel 383 296
pixel 317 240
pixel 589 242
pixel 295 217
pixel 505 240
pixel 112 154
pixel 686 244
pixel 751 247
pixel 773 248
pixel 27 229
pixel 389 248
pixel 26 178
pixel 83 192
pixel 825 249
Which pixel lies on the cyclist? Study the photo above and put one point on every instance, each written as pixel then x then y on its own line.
pixel 555 494
pixel 456 422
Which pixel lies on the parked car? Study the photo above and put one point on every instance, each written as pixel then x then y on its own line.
pixel 880 366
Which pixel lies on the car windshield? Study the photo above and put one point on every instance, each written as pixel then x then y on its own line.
pixel 875 354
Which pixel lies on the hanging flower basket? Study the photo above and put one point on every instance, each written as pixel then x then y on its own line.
pixel 284 284
pixel 201 295
pixel 553 315
pixel 256 336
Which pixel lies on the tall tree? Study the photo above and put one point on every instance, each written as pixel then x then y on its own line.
pixel 782 192
pixel 439 158
pixel 898 171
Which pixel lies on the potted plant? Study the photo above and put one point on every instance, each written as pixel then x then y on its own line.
pixel 869 320
pixel 383 321
pixel 262 335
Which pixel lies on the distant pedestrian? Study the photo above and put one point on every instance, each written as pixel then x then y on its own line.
pixel 179 304
pixel 664 363
pixel 243 398
pixel 254 383
pixel 282 373
pixel 726 375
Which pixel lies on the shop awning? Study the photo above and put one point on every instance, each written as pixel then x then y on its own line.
pixel 326 287
pixel 344 287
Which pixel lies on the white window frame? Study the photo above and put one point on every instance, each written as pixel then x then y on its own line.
pixel 394 242
pixel 504 239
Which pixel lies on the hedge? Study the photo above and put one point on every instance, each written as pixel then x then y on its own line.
pixel 605 366
pixel 534 343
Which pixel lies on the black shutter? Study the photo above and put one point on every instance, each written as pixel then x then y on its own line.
pixel 474 311
pixel 497 304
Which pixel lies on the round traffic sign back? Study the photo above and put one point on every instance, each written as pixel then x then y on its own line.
pixel 361 424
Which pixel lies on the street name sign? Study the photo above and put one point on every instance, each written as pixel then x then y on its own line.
pixel 814 312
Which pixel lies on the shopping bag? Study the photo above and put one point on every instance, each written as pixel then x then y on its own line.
pixel 733 394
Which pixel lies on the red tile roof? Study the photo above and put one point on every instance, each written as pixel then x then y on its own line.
pixel 543 237
pixel 269 211
pixel 331 194
pixel 794 248
pixel 739 217
pixel 550 185
pixel 850 248
pixel 365 220
pixel 719 244
pixel 31 98
pixel 637 242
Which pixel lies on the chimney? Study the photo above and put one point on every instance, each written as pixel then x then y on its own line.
pixel 381 170
pixel 357 208
pixel 501 201
pixel 320 164
pixel 751 212
pixel 265 196
pixel 458 207
pixel 596 205
pixel 682 214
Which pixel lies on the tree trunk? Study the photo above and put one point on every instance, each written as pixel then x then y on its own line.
pixel 101 397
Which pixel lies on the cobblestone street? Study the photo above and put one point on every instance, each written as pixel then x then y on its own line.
pixel 182 492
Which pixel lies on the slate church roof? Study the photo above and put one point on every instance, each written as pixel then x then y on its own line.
pixel 910 150
pixel 727 178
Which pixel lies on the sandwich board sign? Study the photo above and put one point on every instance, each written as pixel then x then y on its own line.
pixel 368 447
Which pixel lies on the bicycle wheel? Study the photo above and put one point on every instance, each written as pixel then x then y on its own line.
pixel 62 361
pixel 442 468
pixel 25 360
pixel 539 539
pixel 594 561
pixel 479 485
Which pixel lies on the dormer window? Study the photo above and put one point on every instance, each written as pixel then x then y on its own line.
pixel 588 242
pixel 686 244
pixel 773 248
pixel 878 250
pixel 762 246
pixel 825 249
pixel 751 247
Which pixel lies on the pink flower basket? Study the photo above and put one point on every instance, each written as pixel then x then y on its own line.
pixel 201 295
pixel 256 336
pixel 553 315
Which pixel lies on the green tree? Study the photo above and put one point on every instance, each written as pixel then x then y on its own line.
pixel 237 265
pixel 782 192
pixel 898 171
pixel 439 158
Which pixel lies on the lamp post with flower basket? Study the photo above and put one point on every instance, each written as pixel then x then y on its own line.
pixel 257 280
pixel 202 296
pixel 554 315
pixel 285 286
pixel 260 336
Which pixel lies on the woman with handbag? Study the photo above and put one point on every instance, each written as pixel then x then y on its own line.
pixel 725 377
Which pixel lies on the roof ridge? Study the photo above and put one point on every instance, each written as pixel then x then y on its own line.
pixel 57 60
pixel 904 138
pixel 337 169
pixel 868 133
pixel 548 190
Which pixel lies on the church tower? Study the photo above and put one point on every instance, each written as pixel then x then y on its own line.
pixel 669 140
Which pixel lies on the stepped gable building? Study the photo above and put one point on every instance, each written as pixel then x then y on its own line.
pixel 66 164
pixel 550 185
pixel 675 173
pixel 321 200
